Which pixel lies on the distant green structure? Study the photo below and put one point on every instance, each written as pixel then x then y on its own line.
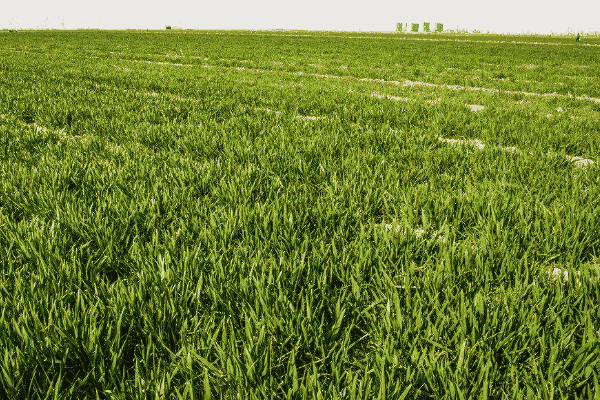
pixel 401 27
pixel 414 27
pixel 578 37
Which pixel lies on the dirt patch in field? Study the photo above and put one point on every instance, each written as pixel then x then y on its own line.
pixel 528 66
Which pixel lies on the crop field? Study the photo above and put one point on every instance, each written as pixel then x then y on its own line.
pixel 299 215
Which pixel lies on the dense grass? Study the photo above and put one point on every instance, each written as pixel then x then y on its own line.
pixel 185 231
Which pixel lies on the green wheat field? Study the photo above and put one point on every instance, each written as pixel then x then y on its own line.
pixel 299 215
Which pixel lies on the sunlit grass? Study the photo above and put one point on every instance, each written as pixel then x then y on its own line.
pixel 207 214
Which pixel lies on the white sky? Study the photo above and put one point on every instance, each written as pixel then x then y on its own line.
pixel 508 16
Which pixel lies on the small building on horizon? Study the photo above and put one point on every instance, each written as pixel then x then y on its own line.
pixel 419 27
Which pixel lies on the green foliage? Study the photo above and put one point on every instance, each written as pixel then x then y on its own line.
pixel 272 215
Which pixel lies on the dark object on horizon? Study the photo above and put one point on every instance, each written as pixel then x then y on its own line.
pixel 168 27
pixel 577 38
